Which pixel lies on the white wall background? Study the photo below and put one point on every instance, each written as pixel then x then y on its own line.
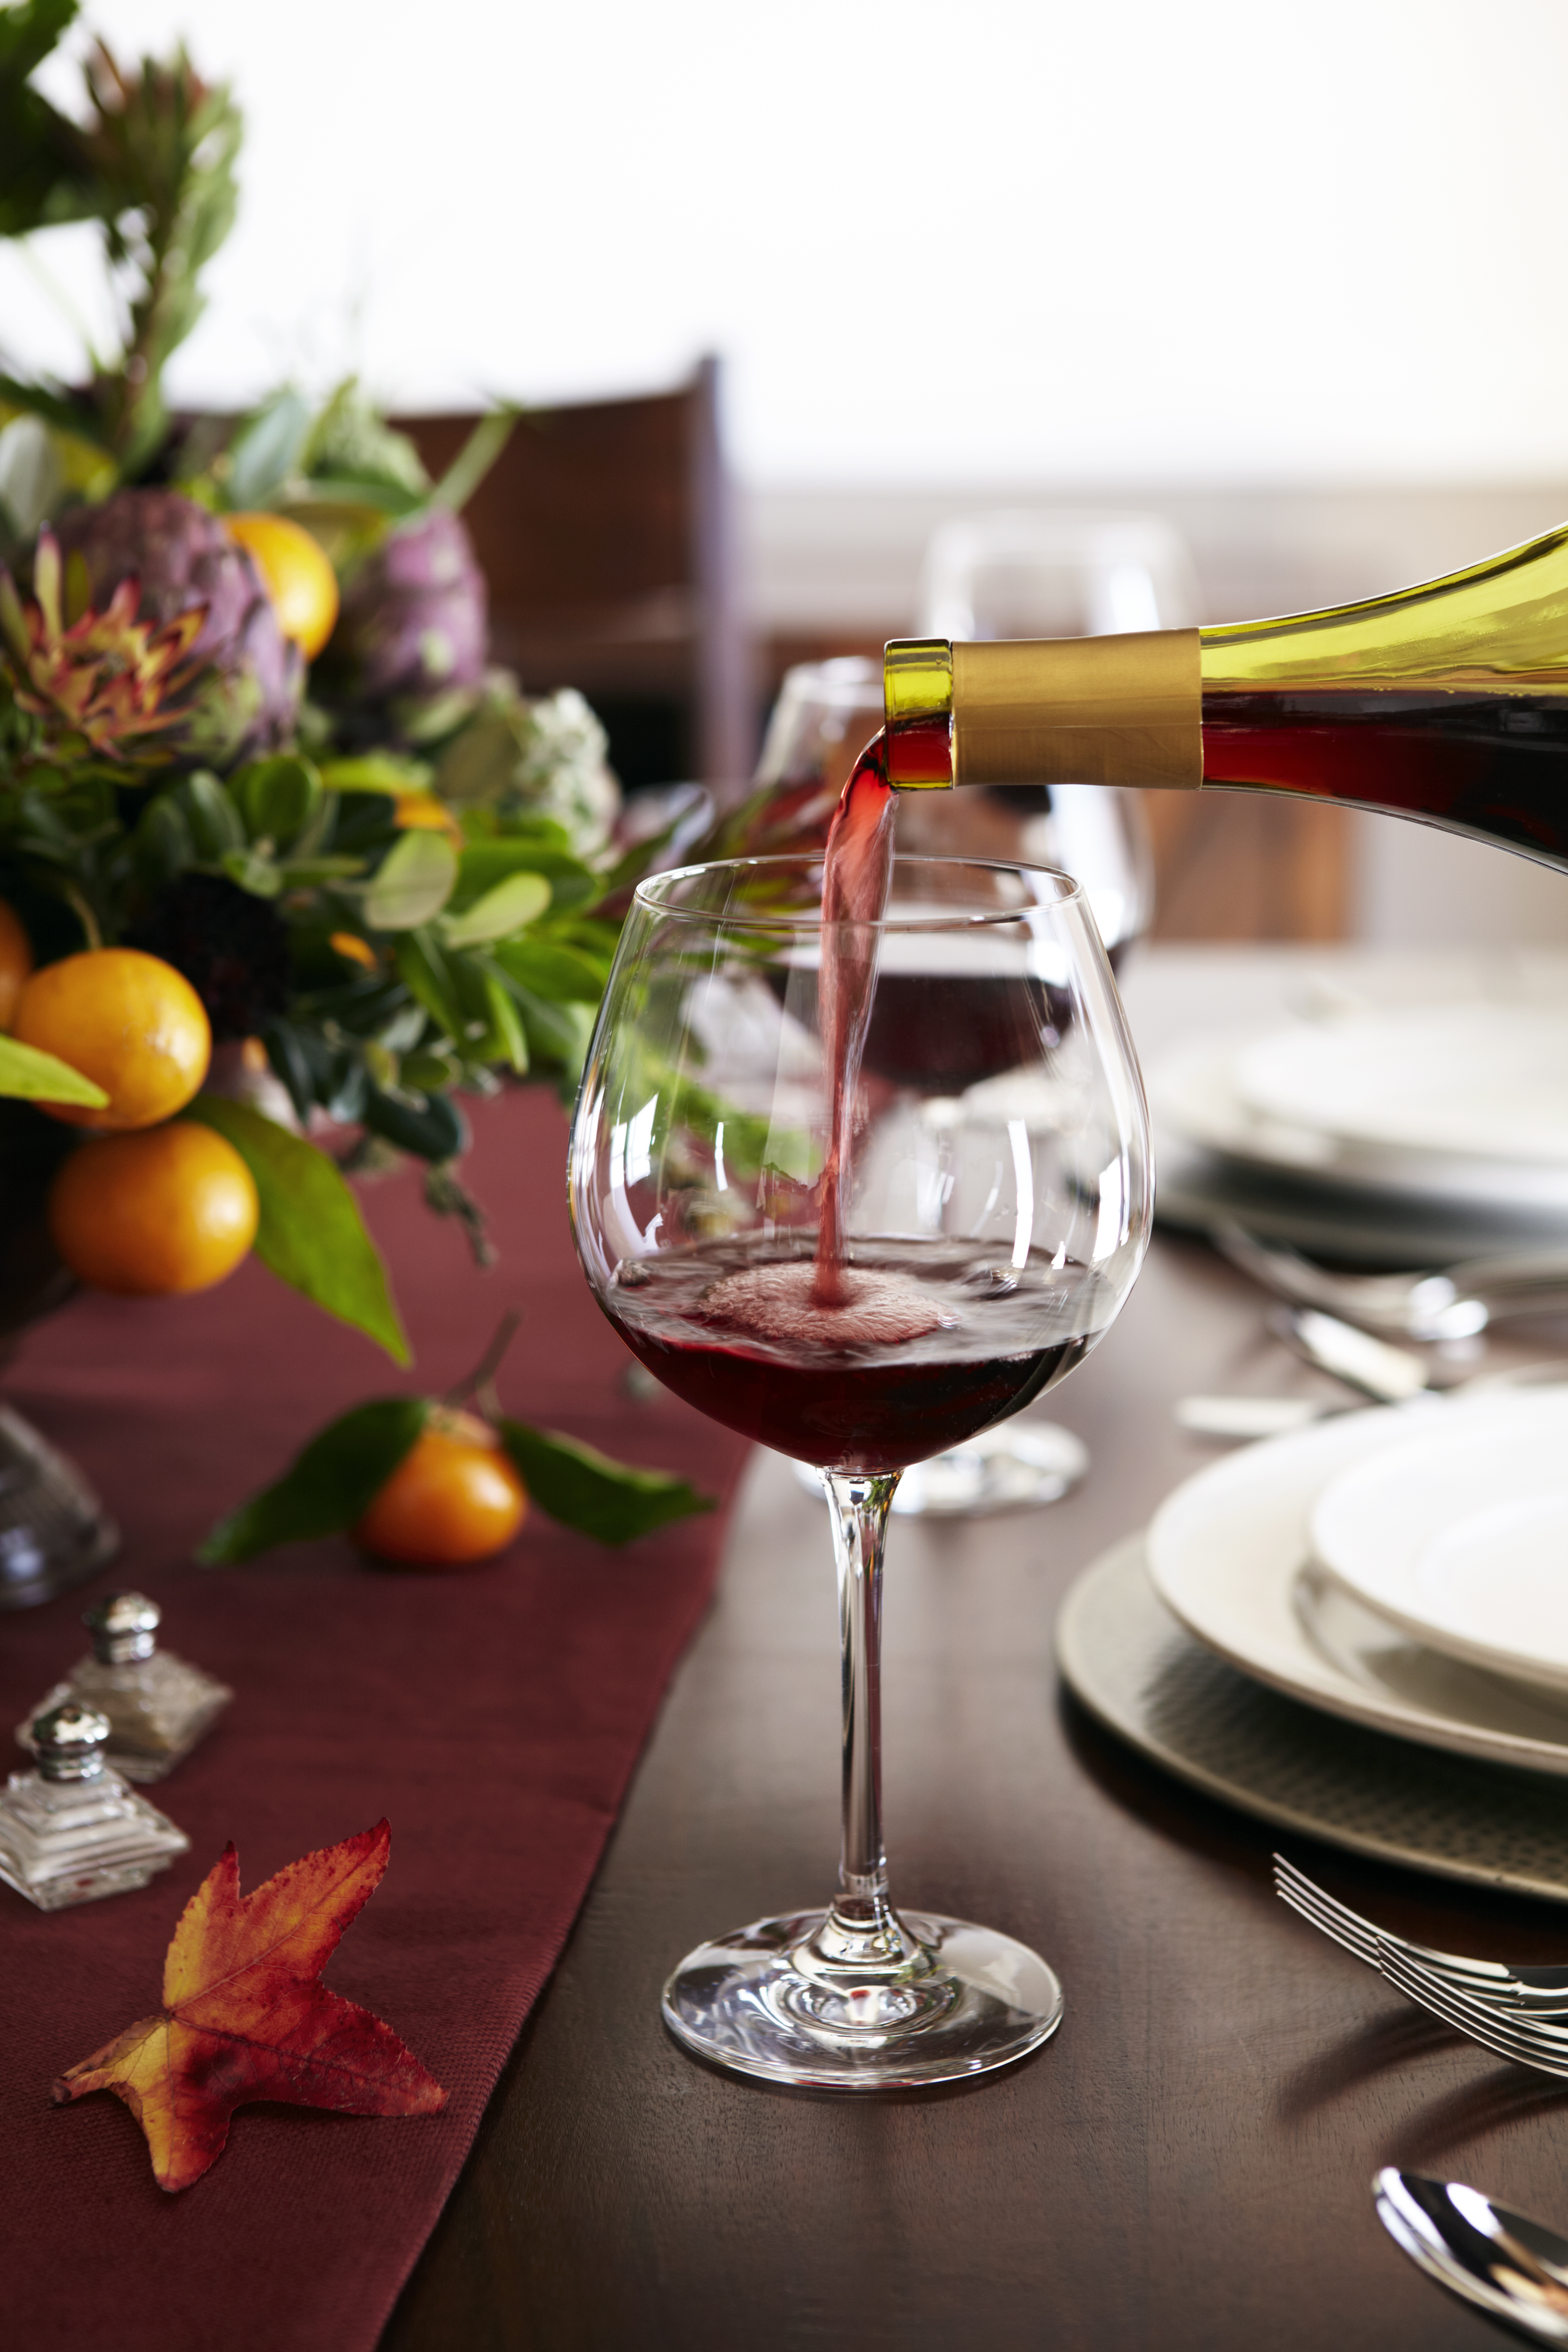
pixel 1031 247
pixel 1306 240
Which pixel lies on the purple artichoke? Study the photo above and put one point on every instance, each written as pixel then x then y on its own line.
pixel 416 619
pixel 247 700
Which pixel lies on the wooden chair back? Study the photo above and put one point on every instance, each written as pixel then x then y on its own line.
pixel 606 532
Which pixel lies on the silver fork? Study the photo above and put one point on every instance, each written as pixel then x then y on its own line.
pixel 1528 2040
pixel 1510 1994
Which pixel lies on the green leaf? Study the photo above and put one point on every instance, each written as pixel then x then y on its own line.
pixel 413 882
pixel 277 797
pixel 161 846
pixel 506 1022
pixel 291 1066
pixel 351 441
pixel 556 1033
pixel 267 451
pixel 434 1130
pixel 377 771
pixel 299 873
pixel 486 859
pixel 423 970
pixel 585 1489
pixel 253 871
pixel 213 818
pixel 563 974
pixel 485 863
pixel 328 1485
pixel 510 907
pixel 349 494
pixel 38 1077
pixel 49 175
pixel 311 1235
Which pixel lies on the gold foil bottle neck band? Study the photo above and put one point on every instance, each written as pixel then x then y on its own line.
pixel 1079 711
pixel 1053 710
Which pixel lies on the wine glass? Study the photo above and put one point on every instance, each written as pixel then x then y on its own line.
pixel 1053 573
pixel 993 1230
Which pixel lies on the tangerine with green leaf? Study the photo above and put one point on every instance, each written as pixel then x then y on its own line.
pixel 170 1208
pixel 126 1020
pixel 453 1500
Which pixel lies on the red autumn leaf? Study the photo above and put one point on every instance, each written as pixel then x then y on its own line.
pixel 244 2015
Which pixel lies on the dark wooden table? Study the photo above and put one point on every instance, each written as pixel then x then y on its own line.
pixel 1186 2165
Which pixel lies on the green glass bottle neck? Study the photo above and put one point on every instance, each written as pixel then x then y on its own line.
pixel 1131 710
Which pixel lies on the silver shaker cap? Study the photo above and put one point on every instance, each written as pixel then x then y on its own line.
pixel 125 1628
pixel 69 1742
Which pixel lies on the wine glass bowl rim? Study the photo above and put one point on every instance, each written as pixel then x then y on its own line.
pixel 653 893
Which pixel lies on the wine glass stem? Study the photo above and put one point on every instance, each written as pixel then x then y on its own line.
pixel 862 1930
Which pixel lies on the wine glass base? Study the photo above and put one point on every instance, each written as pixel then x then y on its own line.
pixel 753 2003
pixel 1016 1466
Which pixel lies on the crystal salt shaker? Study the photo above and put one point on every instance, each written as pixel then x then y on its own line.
pixel 158 1706
pixel 72 1831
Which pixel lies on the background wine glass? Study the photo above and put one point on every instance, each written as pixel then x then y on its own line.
pixel 826 712
pixel 993 1233
pixel 1043 572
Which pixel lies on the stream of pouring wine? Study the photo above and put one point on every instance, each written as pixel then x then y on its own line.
pixel 856 880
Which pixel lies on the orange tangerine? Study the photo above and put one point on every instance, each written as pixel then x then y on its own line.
pixel 128 1021
pixel 172 1208
pixel 297 573
pixel 16 963
pixel 452 1500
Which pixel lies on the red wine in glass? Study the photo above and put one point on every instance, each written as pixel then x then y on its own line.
pixel 872 1394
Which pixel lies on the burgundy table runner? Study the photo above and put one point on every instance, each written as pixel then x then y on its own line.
pixel 494 1715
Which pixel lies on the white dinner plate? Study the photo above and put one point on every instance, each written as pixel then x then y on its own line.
pixel 1229 1554
pixel 1196 1096
pixel 1459 1536
pixel 1485 1081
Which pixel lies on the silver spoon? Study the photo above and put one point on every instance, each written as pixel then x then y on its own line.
pixel 1506 2265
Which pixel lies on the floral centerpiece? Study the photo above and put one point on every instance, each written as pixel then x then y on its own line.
pixel 249 735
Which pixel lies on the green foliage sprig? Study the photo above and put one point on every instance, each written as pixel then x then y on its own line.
pixel 153 161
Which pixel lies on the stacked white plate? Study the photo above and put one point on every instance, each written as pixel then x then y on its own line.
pixel 1399 1573
pixel 1407 1568
pixel 1417 1130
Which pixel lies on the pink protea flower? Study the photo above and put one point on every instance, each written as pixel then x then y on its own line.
pixel 106 683
pixel 183 559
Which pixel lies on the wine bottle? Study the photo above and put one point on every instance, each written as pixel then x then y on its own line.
pixel 1447 703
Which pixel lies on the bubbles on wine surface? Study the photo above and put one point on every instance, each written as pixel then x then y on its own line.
pixel 929 1301
pixel 871 1308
